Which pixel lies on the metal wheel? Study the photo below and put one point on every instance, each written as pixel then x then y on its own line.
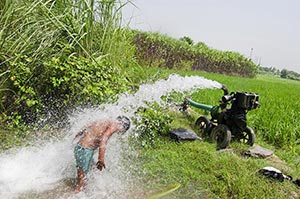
pixel 221 134
pixel 247 136
pixel 203 125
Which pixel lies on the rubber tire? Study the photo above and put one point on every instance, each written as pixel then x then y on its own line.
pixel 248 136
pixel 203 124
pixel 221 134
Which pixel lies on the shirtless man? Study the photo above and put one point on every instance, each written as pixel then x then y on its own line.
pixel 93 136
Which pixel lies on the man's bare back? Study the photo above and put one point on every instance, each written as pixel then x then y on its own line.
pixel 97 132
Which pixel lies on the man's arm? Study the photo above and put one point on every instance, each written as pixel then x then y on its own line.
pixel 101 164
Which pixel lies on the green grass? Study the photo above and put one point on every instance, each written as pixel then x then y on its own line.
pixel 203 172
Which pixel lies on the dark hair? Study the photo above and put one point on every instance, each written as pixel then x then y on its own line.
pixel 125 122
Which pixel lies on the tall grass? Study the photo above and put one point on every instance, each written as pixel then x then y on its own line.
pixel 38 27
pixel 33 33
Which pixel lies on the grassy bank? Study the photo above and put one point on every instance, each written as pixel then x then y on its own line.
pixel 205 173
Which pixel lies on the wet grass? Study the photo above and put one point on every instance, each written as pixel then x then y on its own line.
pixel 205 173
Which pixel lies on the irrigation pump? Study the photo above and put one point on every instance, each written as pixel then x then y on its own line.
pixel 227 123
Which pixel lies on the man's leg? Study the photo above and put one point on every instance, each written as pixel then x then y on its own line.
pixel 81 180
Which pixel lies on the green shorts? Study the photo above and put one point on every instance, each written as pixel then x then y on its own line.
pixel 83 157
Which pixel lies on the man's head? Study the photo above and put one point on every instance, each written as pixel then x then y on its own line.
pixel 125 122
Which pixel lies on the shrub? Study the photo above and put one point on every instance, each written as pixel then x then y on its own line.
pixel 60 83
pixel 152 124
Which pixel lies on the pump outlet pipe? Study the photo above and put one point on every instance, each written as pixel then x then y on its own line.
pixel 198 105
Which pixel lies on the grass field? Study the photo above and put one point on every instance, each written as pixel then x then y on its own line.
pixel 204 173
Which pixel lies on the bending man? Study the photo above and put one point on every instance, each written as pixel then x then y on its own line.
pixel 95 136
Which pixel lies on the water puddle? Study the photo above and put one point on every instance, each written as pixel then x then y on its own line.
pixel 47 168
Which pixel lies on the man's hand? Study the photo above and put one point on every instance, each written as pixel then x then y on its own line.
pixel 100 165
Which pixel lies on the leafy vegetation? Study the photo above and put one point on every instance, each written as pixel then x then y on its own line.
pixel 152 124
pixel 157 50
pixel 59 54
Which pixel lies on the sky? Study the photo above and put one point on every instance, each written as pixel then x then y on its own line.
pixel 267 31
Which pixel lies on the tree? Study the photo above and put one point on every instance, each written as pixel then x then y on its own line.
pixel 283 73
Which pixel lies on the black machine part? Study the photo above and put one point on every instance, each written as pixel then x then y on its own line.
pixel 225 89
pixel 242 100
pixel 183 134
pixel 246 100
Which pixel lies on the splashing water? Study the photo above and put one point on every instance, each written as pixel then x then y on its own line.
pixel 47 170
